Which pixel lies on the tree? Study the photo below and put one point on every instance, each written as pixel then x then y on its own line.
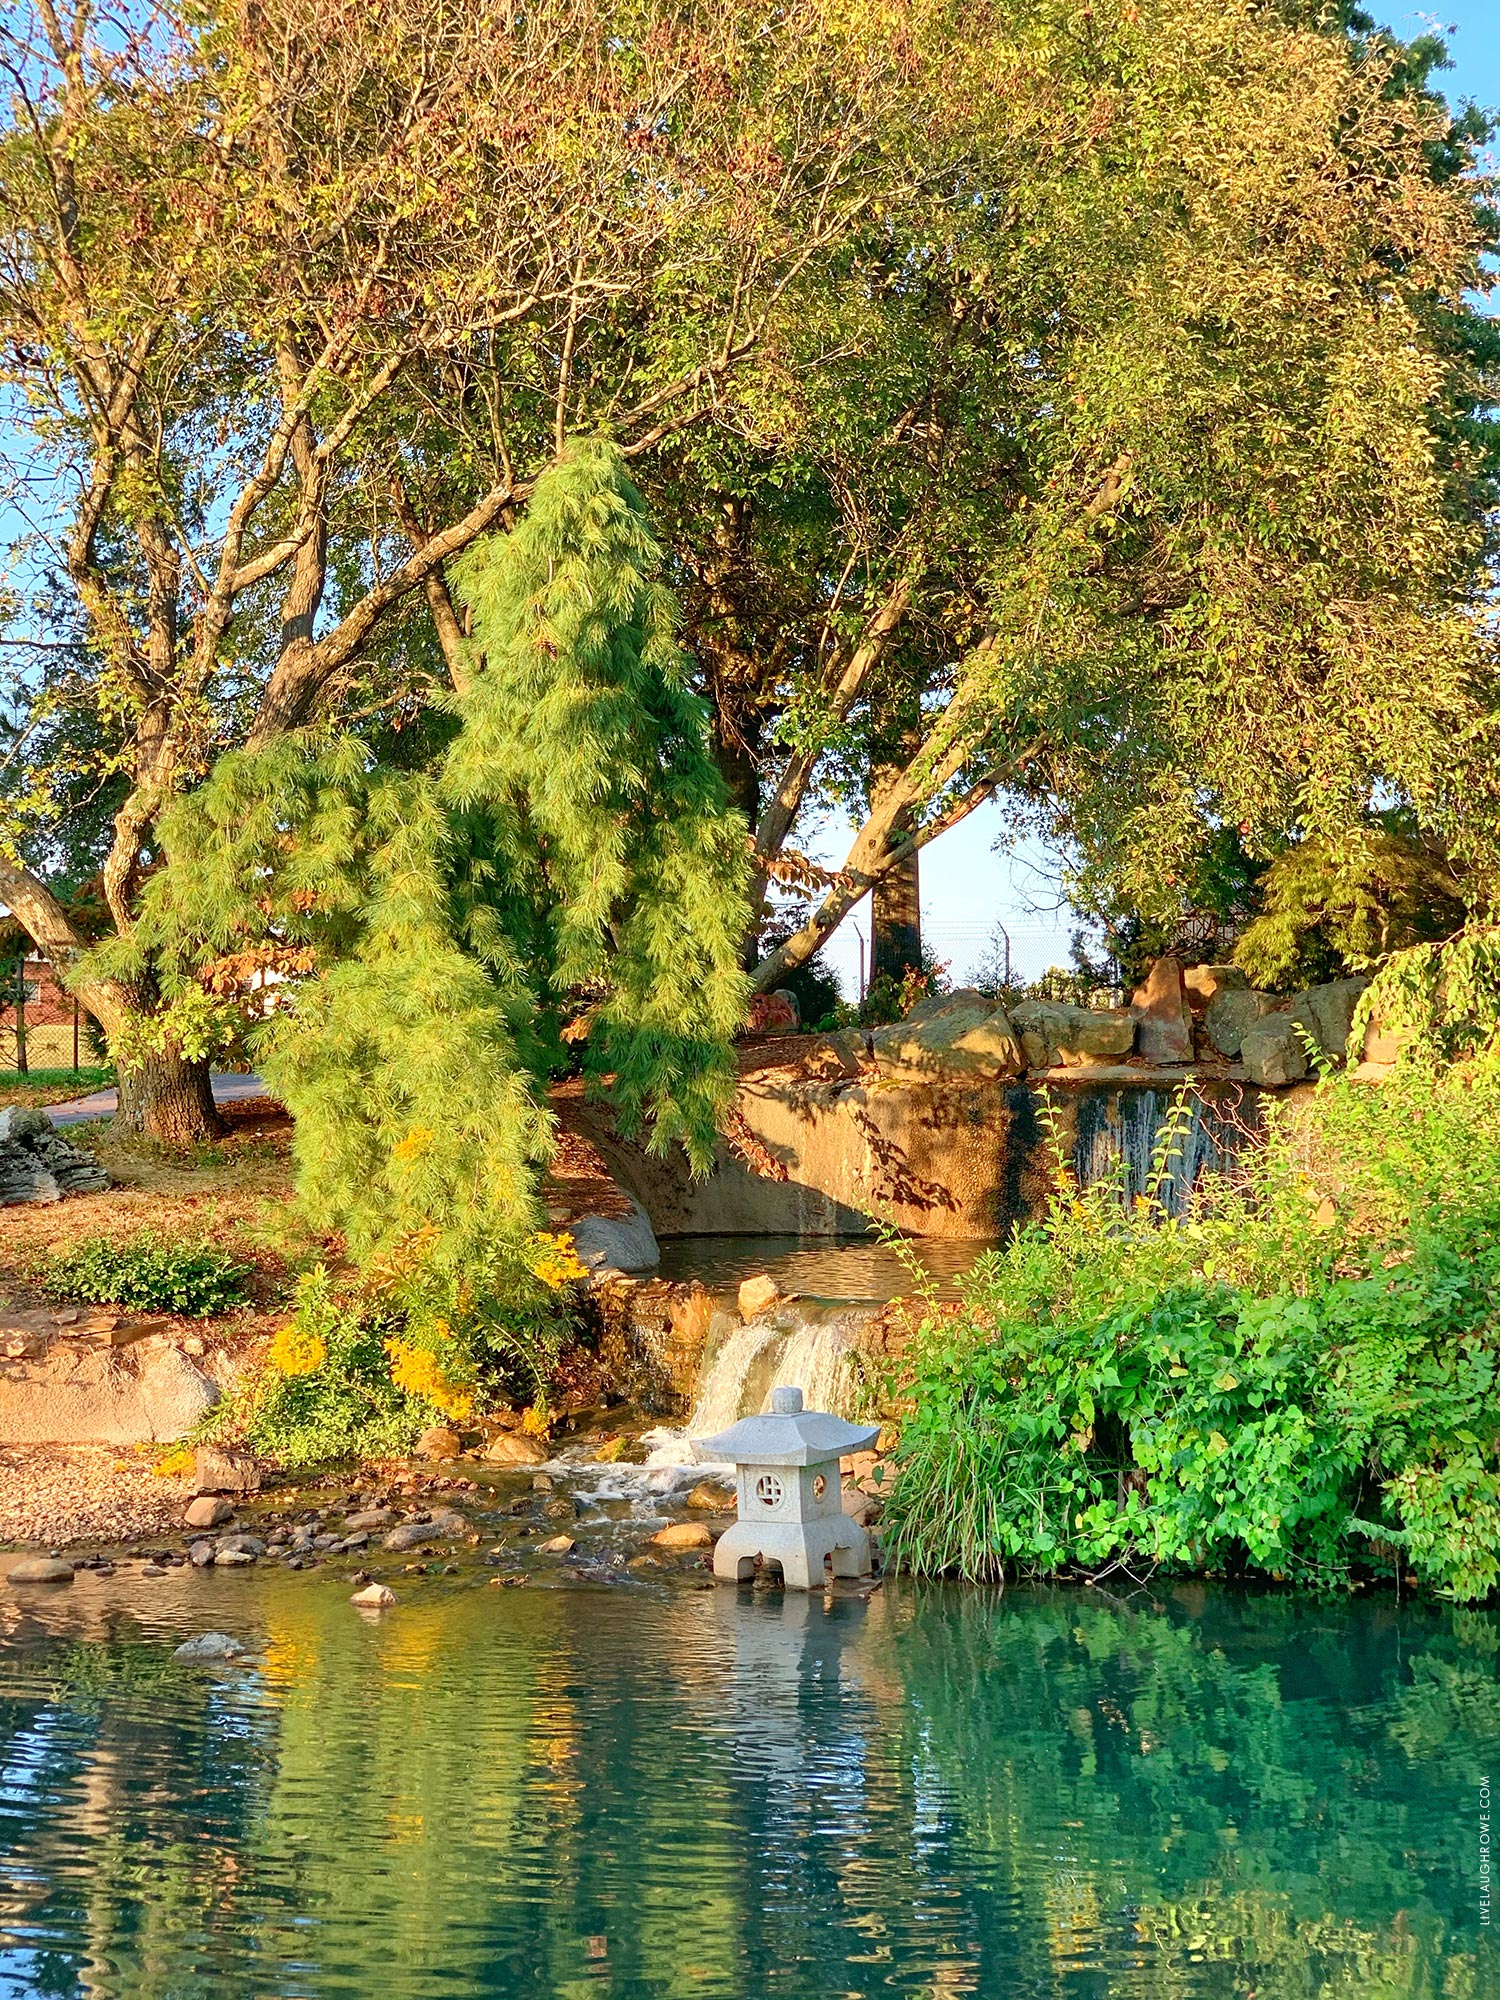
pixel 1157 480
pixel 568 860
pixel 296 301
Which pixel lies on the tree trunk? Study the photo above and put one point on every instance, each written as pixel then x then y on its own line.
pixel 896 919
pixel 895 899
pixel 167 1098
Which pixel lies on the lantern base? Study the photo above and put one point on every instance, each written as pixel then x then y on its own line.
pixel 798 1549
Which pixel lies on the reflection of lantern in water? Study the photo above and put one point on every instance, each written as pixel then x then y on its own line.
pixel 791 1503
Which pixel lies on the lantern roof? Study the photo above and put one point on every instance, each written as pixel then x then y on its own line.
pixel 789 1435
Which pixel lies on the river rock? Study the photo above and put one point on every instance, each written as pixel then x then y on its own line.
pixel 859 1505
pixel 444 1526
pixel 1230 1015
pixel 961 1035
pixel 440 1443
pixel 683 1535
pixel 367 1518
pixel 40 1569
pixel 232 1558
pixel 201 1554
pixel 1204 983
pixel 756 1294
pixel 1382 1046
pixel 374 1597
pixel 557 1545
pixel 207 1511
pixel 616 1242
pixel 1164 1023
pixel 1052 1031
pixel 1327 1012
pixel 38 1164
pixel 216 1470
pixel 1273 1052
pixel 510 1448
pixel 241 1545
pixel 209 1646
pixel 711 1498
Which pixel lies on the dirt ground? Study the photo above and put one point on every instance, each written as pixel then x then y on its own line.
pixel 233 1193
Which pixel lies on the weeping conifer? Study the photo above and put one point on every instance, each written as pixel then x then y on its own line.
pixel 570 854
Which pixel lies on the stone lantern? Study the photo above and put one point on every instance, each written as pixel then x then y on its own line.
pixel 791 1502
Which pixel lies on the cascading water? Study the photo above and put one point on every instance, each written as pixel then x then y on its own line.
pixel 1128 1125
pixel 801 1344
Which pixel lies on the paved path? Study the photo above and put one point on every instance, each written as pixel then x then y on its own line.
pixel 229 1088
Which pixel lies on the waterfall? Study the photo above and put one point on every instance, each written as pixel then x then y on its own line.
pixel 1125 1125
pixel 721 1392
pixel 803 1346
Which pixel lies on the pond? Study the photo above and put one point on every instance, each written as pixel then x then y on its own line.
pixel 859 1269
pixel 663 1790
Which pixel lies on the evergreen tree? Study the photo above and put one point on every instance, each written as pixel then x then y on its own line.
pixel 568 858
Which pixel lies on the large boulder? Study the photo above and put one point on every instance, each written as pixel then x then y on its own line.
pixel 773 1014
pixel 960 1035
pixel 1052 1031
pixel 1231 1015
pixel 38 1164
pixel 617 1242
pixel 1164 1023
pixel 148 1392
pixel 1327 1012
pixel 1204 983
pixel 1274 1052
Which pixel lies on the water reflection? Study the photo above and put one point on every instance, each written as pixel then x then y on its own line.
pixel 850 1269
pixel 568 1792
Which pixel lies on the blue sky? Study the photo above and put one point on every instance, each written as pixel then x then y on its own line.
pixel 967 888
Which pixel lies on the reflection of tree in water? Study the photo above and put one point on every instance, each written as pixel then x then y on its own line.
pixel 125 1806
pixel 558 1792
pixel 1224 1795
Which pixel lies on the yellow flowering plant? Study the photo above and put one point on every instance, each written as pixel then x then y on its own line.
pixel 552 1256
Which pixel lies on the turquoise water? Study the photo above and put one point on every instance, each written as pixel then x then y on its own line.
pixel 664 1791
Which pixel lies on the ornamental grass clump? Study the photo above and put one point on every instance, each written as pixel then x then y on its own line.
pixel 1295 1380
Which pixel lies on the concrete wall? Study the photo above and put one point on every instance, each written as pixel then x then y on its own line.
pixel 959 1160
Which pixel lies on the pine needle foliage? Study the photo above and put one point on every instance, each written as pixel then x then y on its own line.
pixel 569 852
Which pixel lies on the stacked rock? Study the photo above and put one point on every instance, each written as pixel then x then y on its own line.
pixel 38 1164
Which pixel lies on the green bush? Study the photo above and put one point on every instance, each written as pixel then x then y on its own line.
pixel 146 1275
pixel 359 1373
pixel 1295 1379
pixel 326 1391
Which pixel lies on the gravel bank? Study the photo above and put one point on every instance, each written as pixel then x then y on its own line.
pixel 56 1496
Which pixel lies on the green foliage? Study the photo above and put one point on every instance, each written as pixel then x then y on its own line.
pixel 1327 907
pixel 327 1392
pixel 77 1082
pixel 359 1373
pixel 567 853
pixel 1442 1001
pixel 1297 1375
pixel 146 1275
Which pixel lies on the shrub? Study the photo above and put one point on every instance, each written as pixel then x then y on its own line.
pixel 1295 1378
pixel 360 1373
pixel 146 1275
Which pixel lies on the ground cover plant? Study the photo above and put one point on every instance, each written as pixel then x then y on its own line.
pixel 1294 1380
pixel 148 1273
